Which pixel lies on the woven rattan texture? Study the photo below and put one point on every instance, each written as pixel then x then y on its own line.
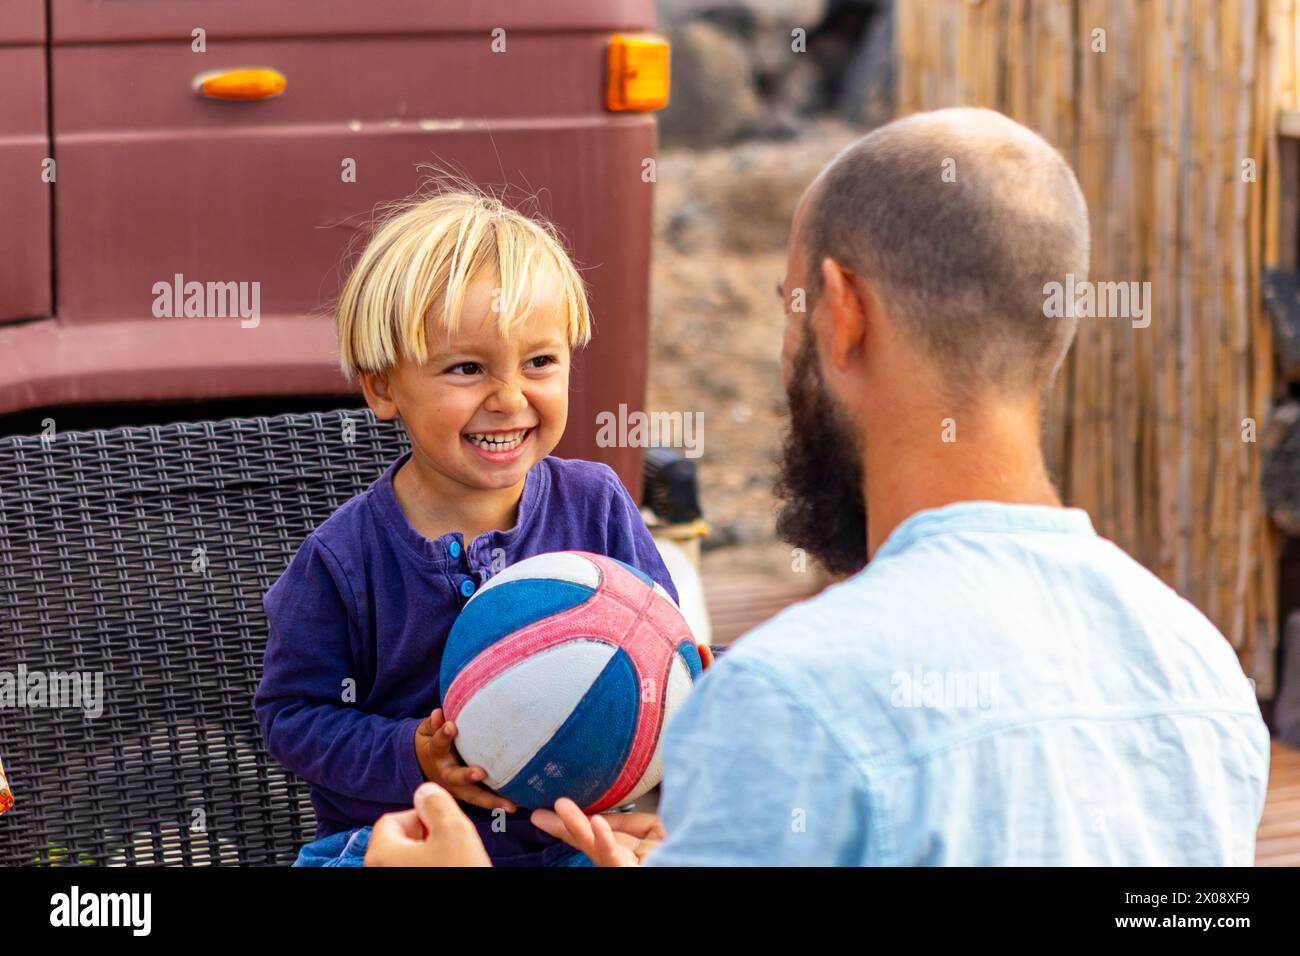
pixel 141 555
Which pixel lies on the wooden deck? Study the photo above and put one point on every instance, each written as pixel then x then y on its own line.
pixel 739 602
pixel 1278 842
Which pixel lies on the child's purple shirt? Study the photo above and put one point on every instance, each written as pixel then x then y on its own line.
pixel 369 600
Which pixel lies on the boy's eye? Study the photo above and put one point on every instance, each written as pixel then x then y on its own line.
pixel 460 369
pixel 545 360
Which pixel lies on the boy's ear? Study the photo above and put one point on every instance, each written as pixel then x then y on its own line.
pixel 379 395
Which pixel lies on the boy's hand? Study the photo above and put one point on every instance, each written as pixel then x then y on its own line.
pixel 441 764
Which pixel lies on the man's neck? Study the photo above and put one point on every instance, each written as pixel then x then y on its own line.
pixel 908 467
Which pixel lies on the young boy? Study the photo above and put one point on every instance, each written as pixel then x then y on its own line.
pixel 460 319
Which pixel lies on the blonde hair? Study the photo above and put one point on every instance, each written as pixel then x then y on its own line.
pixel 421 261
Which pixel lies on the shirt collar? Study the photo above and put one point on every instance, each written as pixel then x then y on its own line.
pixel 438 550
pixel 990 517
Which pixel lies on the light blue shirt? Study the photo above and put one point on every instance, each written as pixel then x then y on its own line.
pixel 999 686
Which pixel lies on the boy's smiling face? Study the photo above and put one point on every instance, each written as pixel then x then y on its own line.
pixel 485 408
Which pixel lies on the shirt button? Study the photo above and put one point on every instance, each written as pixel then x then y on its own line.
pixel 454 548
pixel 466 587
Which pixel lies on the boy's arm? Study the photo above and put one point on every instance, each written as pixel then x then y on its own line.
pixel 628 539
pixel 308 679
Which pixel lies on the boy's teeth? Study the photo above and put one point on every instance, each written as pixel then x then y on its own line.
pixel 502 442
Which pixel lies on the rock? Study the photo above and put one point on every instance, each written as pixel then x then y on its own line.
pixel 789 13
pixel 721 536
pixel 1286 706
pixel 801 89
pixel 1280 448
pixel 714 97
pixel 756 200
pixel 806 13
pixel 776 123
pixel 789 82
pixel 866 86
pixel 1282 296
pixel 690 228
pixel 774 41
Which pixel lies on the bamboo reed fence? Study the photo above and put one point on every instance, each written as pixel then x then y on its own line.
pixel 1147 425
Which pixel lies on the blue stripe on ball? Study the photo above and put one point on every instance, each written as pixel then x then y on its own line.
pixel 649 581
pixel 691 655
pixel 597 734
pixel 500 611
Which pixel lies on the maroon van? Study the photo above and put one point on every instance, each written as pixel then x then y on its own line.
pixel 148 150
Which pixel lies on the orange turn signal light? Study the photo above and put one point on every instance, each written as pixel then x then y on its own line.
pixel 636 72
pixel 245 83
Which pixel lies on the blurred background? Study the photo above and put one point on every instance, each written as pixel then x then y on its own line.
pixel 120 168
pixel 749 125
pixel 1180 438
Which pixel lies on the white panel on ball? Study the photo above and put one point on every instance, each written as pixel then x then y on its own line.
pixel 537 693
pixel 557 566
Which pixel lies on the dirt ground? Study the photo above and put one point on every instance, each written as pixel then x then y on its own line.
pixel 722 218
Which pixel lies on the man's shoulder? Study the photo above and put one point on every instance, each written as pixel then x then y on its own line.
pixel 946 604
pixel 840 613
pixel 837 637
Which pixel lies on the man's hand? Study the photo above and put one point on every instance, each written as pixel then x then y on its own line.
pixel 435 833
pixel 442 765
pixel 620 839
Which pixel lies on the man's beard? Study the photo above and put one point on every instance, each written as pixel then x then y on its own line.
pixel 820 481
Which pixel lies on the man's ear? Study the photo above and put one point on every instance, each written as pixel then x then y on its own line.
pixel 379 395
pixel 846 314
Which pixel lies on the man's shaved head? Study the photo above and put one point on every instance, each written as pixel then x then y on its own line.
pixel 958 260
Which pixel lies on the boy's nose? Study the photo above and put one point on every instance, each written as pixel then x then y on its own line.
pixel 507 398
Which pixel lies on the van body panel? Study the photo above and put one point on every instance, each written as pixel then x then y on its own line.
pixel 94 21
pixel 25 279
pixel 159 187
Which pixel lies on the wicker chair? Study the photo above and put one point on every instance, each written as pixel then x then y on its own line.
pixel 141 554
